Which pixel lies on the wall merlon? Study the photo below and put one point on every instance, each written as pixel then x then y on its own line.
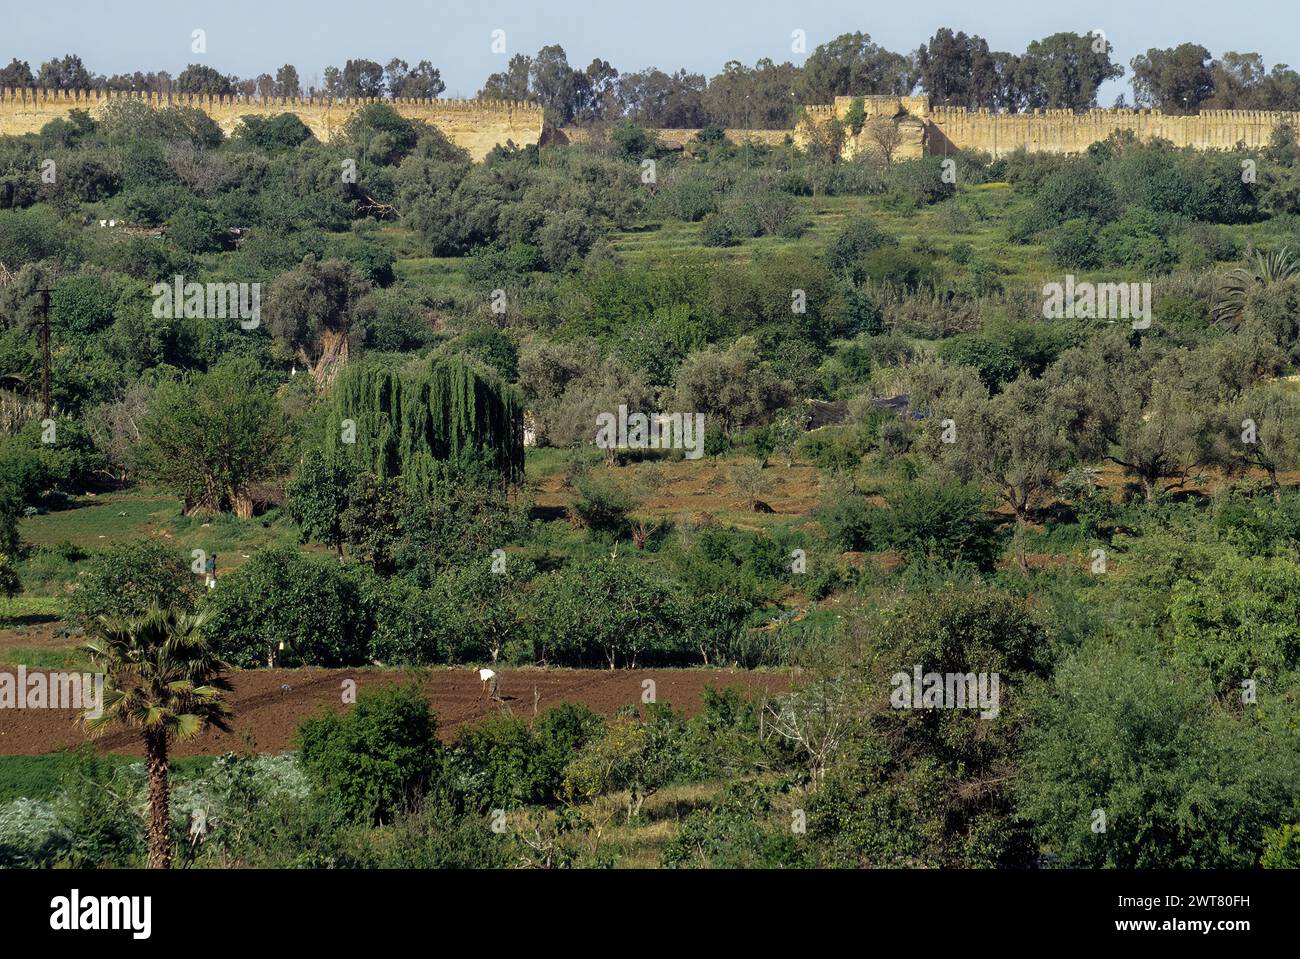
pixel 475 125
pixel 479 125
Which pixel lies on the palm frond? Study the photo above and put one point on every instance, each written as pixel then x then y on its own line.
pixel 161 674
pixel 1265 270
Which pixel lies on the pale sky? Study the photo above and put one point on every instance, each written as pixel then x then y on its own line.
pixel 248 37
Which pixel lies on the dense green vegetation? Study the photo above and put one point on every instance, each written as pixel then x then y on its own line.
pixel 1100 510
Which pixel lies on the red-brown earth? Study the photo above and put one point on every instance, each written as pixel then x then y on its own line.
pixel 269 704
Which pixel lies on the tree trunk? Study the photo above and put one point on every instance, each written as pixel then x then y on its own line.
pixel 1148 488
pixel 1277 487
pixel 160 842
pixel 243 504
pixel 1020 542
pixel 333 357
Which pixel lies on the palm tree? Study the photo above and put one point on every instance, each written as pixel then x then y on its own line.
pixel 163 679
pixel 1263 271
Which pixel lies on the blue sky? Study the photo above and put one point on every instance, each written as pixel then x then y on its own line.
pixel 248 37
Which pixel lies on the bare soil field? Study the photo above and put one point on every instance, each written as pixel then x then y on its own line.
pixel 269 704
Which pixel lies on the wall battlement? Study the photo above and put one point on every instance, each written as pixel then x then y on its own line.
pixel 479 125
pixel 475 125
pixel 1062 131
pixel 949 129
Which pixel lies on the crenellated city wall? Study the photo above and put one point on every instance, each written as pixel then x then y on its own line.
pixel 479 125
pixel 475 125
pixel 1062 131
pixel 942 130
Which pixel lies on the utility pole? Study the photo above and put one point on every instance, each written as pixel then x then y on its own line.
pixel 45 349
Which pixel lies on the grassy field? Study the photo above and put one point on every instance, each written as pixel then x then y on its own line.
pixel 41 777
pixel 93 521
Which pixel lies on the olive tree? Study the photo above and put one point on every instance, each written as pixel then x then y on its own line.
pixel 733 387
pixel 1266 424
pixel 1016 442
pixel 1134 408
pixel 308 311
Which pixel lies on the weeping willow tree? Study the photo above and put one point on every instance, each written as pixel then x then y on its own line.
pixel 399 424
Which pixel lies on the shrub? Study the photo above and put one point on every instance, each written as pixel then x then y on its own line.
pixel 688 196
pixel 948 521
pixel 833 449
pixel 1201 245
pixel 498 766
pixel 27 236
pixel 1074 244
pixel 372 261
pixel 851 522
pixel 284 131
pixel 741 830
pixel 1137 240
pixel 376 760
pixel 502 763
pixel 640 754
pixel 392 322
pixel 853 241
pixel 1077 191
pixel 601 506
pixel 126 579
pixel 1240 622
pixel 916 183
pixel 1184 784
pixel 97 815
pixel 560 734
pixel 1282 848
pixel 894 266
pixel 632 141
pixel 913 786
pixel 717 230
pixel 995 363
pixel 565 236
pixel 81 304
pixel 290 609
pixel 195 230
pixel 608 613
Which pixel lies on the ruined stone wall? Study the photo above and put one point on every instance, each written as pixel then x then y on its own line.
pixel 475 125
pixel 906 114
pixel 882 106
